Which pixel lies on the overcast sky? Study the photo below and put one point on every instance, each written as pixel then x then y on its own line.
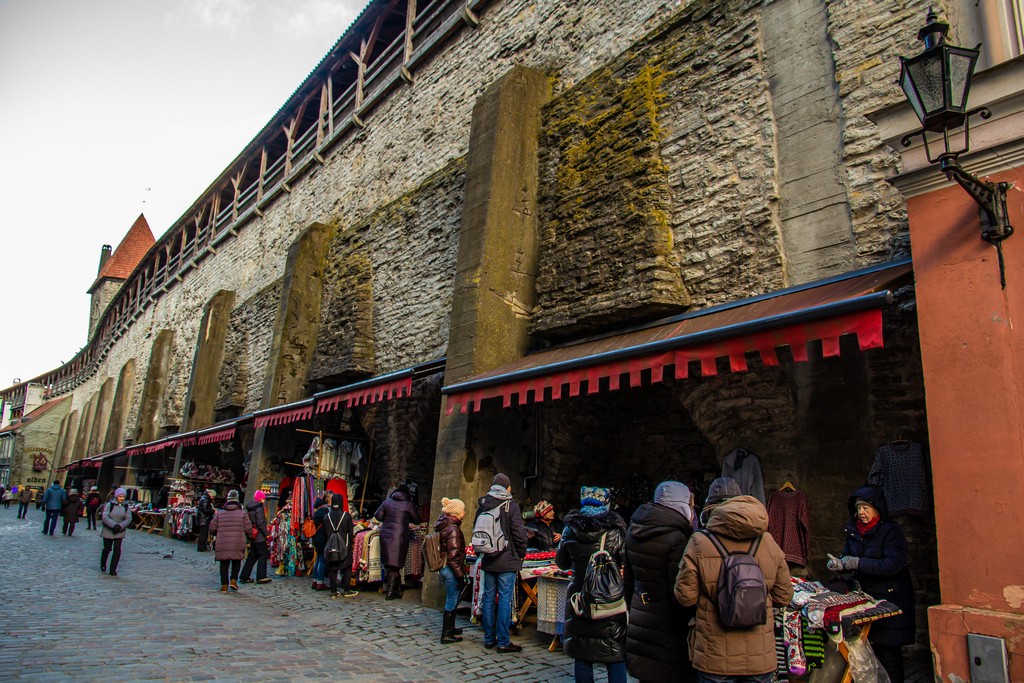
pixel 112 108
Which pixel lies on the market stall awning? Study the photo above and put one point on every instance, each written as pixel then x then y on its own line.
pixel 383 388
pixel 97 459
pixel 280 415
pixel 216 434
pixel 824 310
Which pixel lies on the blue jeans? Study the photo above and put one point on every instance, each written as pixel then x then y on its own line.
pixel 50 523
pixel 714 678
pixel 583 672
pixel 452 587
pixel 320 568
pixel 496 626
pixel 22 510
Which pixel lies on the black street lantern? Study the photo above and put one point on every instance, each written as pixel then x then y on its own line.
pixel 937 81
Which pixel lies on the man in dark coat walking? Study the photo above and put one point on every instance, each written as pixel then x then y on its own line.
pixel 656 637
pixel 876 553
pixel 501 568
pixel 395 514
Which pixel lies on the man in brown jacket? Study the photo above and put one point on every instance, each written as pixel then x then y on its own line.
pixel 736 655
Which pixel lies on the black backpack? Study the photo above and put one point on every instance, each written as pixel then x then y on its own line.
pixel 602 594
pixel 742 590
pixel 336 548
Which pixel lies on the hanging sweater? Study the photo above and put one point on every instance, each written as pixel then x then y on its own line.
pixel 789 524
pixel 745 468
pixel 900 470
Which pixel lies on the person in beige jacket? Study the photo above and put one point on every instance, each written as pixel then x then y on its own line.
pixel 736 655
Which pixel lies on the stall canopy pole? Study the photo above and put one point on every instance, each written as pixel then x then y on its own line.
pixel 366 474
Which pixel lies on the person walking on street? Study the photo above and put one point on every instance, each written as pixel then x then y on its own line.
pixel 395 514
pixel 591 528
pixel 453 573
pixel 501 568
pixel 204 514
pixel 338 522
pixel 656 635
pixel 258 553
pixel 232 526
pixel 116 519
pixel 24 498
pixel 732 655
pixel 92 505
pixel 53 501
pixel 8 497
pixel 72 511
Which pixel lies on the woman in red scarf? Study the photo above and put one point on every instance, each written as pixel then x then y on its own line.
pixel 876 553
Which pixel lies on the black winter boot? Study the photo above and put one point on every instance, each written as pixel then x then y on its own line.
pixel 393 591
pixel 446 629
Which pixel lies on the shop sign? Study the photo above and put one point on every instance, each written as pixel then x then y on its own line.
pixel 40 463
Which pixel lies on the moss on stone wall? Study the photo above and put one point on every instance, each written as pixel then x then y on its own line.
pixel 607 248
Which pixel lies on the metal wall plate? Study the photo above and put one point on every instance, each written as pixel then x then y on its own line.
pixel 987 659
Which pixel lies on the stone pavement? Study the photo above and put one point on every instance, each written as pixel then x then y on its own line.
pixel 166 620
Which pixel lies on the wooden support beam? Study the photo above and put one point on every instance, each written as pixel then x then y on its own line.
pixel 263 173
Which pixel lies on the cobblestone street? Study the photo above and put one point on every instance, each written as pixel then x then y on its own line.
pixel 165 620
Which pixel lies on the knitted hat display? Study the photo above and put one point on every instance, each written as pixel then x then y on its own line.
pixel 259 496
pixel 594 500
pixel 542 508
pixel 453 507
pixel 501 480
pixel 232 494
pixel 120 492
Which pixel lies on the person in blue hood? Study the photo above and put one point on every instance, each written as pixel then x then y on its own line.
pixel 876 553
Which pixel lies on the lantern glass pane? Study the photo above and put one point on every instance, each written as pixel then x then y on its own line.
pixel 908 89
pixel 960 68
pixel 927 77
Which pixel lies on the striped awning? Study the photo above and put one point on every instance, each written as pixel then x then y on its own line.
pixel 383 388
pixel 818 311
pixel 292 412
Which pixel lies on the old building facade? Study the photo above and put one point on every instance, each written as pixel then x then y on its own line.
pixel 460 185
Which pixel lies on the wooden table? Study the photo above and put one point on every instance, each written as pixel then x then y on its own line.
pixel 150 522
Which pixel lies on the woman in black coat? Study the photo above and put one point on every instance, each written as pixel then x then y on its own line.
pixel 592 640
pixel 395 514
pixel 656 647
pixel 876 553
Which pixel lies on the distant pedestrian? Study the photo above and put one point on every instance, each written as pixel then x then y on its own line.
pixel 116 518
pixel 257 554
pixel 395 514
pixel 8 497
pixel 204 514
pixel 231 525
pixel 453 573
pixel 92 505
pixel 53 501
pixel 593 527
pixel 72 511
pixel 24 498
pixel 338 522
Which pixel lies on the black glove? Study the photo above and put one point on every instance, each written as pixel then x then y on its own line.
pixel 118 528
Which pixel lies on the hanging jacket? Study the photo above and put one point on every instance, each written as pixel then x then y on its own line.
pixel 591 640
pixel 453 543
pixel 882 571
pixel 656 637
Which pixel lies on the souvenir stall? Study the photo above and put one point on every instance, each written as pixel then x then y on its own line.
pixel 536 564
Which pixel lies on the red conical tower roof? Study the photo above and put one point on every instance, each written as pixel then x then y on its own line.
pixel 129 252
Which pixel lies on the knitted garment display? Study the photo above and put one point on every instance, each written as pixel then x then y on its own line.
pixel 900 469
pixel 745 468
pixel 789 524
